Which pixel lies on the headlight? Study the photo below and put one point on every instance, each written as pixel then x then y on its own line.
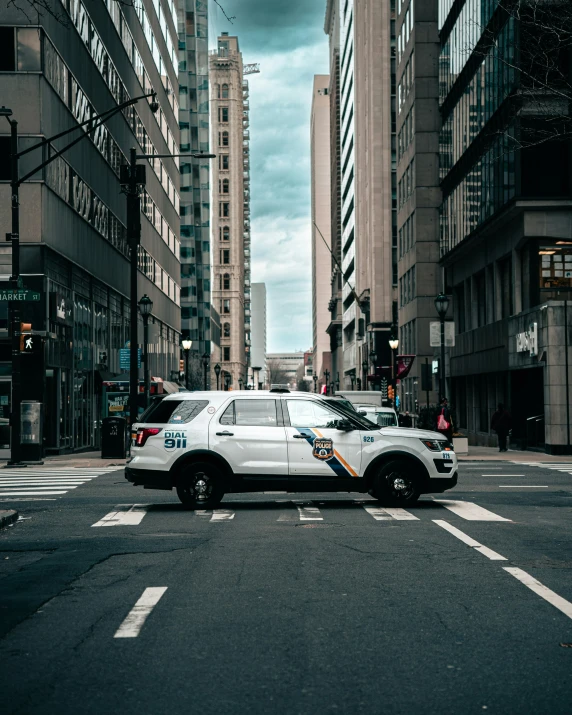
pixel 437 446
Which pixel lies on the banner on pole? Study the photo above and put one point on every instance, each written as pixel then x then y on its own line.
pixel 404 364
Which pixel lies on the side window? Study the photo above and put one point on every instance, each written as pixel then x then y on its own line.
pixel 228 415
pixel 173 412
pixel 255 413
pixel 306 413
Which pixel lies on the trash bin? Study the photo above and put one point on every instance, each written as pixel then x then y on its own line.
pixel 113 437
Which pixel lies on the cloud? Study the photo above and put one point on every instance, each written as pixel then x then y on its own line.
pixel 287 38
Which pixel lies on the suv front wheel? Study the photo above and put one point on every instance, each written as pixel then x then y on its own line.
pixel 200 486
pixel 396 484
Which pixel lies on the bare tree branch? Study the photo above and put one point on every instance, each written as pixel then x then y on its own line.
pixel 230 19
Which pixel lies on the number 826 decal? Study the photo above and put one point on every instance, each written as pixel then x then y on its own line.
pixel 368 439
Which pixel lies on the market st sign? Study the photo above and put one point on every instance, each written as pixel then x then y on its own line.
pixel 528 341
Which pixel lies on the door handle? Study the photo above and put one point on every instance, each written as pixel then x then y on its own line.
pixel 225 434
pixel 299 436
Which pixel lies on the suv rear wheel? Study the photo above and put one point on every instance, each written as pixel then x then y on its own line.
pixel 200 486
pixel 396 484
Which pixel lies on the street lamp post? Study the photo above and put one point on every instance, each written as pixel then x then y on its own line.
pixel 217 370
pixel 205 360
pixel 186 350
pixel 315 378
pixel 240 381
pixel 364 370
pixel 227 377
pixel 89 126
pixel 393 344
pixel 442 305
pixel 327 377
pixel 146 308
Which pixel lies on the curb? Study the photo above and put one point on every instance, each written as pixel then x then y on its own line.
pixel 7 517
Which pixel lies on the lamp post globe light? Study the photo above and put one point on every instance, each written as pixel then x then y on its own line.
pixel 217 368
pixel 442 306
pixel 146 308
pixel 187 344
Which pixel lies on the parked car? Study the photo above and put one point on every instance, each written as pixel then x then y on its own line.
pixel 382 416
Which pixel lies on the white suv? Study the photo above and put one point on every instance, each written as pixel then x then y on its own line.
pixel 206 444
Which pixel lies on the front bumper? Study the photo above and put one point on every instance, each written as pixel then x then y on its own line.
pixel 149 478
pixel 437 485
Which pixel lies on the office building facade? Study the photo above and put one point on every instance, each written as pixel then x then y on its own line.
pixel 506 218
pixel 195 177
pixel 320 168
pixel 74 248
pixel 230 214
pixel 259 334
pixel 418 190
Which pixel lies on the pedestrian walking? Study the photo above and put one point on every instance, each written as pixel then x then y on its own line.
pixel 444 421
pixel 501 423
pixel 405 420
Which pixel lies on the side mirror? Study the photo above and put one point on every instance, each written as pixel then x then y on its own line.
pixel 362 413
pixel 344 425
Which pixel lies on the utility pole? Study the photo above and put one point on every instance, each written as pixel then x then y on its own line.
pixel 15 450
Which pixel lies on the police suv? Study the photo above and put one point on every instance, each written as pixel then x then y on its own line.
pixel 206 444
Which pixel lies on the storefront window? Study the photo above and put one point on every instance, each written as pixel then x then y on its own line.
pixel 556 265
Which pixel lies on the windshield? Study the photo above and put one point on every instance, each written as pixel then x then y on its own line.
pixel 350 414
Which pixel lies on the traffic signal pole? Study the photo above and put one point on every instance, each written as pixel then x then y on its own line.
pixel 15 450
pixel 134 237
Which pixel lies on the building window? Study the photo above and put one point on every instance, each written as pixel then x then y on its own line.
pixel 226 330
pixel 556 266
pixel 225 233
pixel 223 138
pixel 226 256
pixel 224 209
pixel 223 162
pixel 224 92
pixel 226 354
pixel 226 282
pixel 224 186
pixel 226 307
pixel 223 115
pixel 7 50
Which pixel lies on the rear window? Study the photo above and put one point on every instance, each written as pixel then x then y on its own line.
pixel 174 412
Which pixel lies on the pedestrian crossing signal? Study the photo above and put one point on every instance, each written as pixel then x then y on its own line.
pixel 26 338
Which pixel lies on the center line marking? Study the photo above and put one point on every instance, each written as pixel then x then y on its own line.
pixel 489 553
pixel 541 590
pixel 522 486
pixel 469 511
pixel 139 613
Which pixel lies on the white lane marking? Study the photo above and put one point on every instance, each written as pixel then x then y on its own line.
pixel 274 492
pixel 308 512
pixel 489 553
pixel 203 512
pixel 222 515
pixel 7 500
pixel 522 486
pixel 44 482
pixel 503 475
pixel 124 515
pixel 541 590
pixel 385 513
pixel 29 494
pixel 140 612
pixel 469 511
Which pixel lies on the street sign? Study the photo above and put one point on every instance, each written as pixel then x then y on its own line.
pixel 124 358
pixel 19 295
pixel 435 334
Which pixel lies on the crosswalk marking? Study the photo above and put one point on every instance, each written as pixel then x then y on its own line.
pixel 46 481
pixel 215 514
pixel 466 539
pixel 137 616
pixel 469 511
pixel 387 514
pixel 124 515
pixel 308 512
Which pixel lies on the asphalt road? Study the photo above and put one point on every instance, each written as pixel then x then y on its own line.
pixel 281 603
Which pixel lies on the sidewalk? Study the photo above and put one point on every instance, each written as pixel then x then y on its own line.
pixel 83 459
pixel 491 454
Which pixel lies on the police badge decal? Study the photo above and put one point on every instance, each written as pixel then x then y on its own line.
pixel 323 448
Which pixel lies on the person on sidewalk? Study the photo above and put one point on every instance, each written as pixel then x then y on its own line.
pixel 501 423
pixel 444 421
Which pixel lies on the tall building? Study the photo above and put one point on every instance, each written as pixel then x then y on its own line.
pixel 419 193
pixel 321 218
pixel 368 214
pixel 258 332
pixel 195 177
pixel 506 217
pixel 334 329
pixel 74 249
pixel 230 215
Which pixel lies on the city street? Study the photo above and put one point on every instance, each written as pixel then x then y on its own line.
pixel 291 603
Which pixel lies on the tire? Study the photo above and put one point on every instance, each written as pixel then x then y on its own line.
pixel 200 486
pixel 396 484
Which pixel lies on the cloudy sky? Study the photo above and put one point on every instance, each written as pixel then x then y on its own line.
pixel 287 38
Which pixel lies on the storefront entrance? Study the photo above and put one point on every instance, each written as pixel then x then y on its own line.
pixel 527 407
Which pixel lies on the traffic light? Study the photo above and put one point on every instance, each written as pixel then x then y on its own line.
pixel 390 393
pixel 181 366
pixel 26 339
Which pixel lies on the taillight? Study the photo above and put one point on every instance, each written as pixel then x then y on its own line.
pixel 144 434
